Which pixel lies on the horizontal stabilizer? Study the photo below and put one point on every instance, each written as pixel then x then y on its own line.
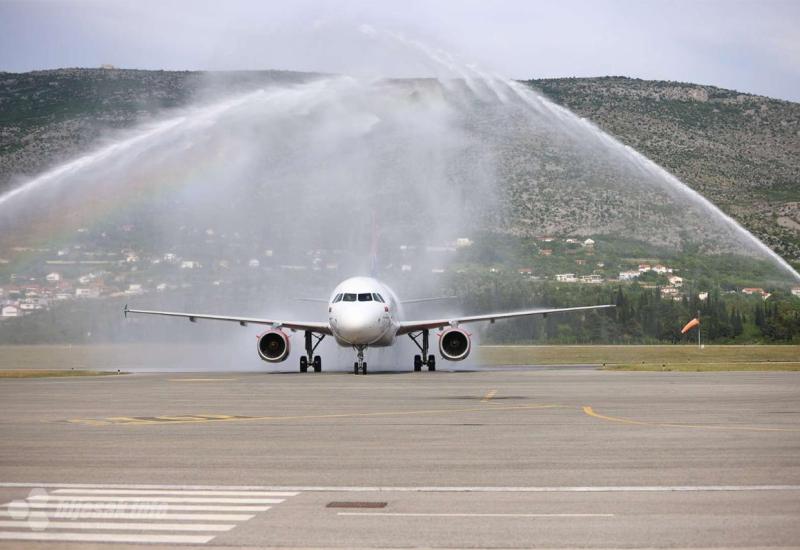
pixel 434 299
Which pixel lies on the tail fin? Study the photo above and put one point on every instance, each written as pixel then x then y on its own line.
pixel 373 265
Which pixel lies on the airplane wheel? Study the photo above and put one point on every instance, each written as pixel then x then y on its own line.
pixel 303 364
pixel 355 368
pixel 417 363
pixel 364 369
pixel 317 363
pixel 431 362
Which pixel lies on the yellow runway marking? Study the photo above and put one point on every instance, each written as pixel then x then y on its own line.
pixel 194 419
pixel 488 396
pixel 589 411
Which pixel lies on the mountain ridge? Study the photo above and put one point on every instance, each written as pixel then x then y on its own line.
pixel 740 150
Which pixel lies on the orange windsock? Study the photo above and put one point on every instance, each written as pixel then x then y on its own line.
pixel 690 325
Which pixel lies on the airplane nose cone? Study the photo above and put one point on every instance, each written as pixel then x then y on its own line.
pixel 358 326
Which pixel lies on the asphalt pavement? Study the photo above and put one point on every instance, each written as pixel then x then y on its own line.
pixel 502 458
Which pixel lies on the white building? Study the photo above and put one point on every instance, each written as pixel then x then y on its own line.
pixel 674 280
pixel 644 268
pixel 87 292
pixel 795 291
pixel 628 275
pixel 254 263
pixel 670 291
pixel 463 242
pixel 566 277
pixel 10 311
pixel 588 243
pixel 53 277
pixel 662 269
pixel 134 289
pixel 592 279
pixel 190 264
pixel 703 296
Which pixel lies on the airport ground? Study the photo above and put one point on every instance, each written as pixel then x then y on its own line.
pixel 507 456
pixel 658 357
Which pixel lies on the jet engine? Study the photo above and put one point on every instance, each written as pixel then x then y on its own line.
pixel 273 346
pixel 454 344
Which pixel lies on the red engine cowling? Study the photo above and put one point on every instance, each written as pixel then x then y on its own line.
pixel 454 344
pixel 273 346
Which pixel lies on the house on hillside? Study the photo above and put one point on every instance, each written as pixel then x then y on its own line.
pixel 753 290
pixel 9 311
pixel 566 278
pixel 53 277
pixel 592 279
pixel 628 275
pixel 670 292
pixel 795 291
pixel 87 292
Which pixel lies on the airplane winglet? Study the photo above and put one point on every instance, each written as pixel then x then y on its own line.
pixel 125 311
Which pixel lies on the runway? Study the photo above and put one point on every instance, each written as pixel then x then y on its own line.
pixel 518 457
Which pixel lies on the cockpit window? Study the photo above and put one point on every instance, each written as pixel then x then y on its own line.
pixel 349 298
pixel 365 297
pixel 338 298
pixel 377 298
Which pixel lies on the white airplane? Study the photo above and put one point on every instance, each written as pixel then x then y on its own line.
pixel 362 313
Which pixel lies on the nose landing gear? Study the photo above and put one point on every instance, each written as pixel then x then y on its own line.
pixel 424 359
pixel 360 365
pixel 312 341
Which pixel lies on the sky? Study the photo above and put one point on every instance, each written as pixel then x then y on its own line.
pixel 750 46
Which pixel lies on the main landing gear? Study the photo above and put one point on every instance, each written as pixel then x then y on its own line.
pixel 360 365
pixel 315 361
pixel 421 340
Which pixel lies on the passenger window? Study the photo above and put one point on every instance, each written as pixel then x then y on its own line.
pixel 349 298
pixel 378 298
pixel 365 297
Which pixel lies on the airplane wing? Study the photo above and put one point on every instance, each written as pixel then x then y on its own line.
pixel 321 328
pixel 411 326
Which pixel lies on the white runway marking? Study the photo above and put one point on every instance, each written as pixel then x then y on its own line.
pixel 103 526
pixel 69 514
pixel 123 498
pixel 106 537
pixel 423 489
pixel 471 515
pixel 175 492
pixel 168 507
pixel 158 514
